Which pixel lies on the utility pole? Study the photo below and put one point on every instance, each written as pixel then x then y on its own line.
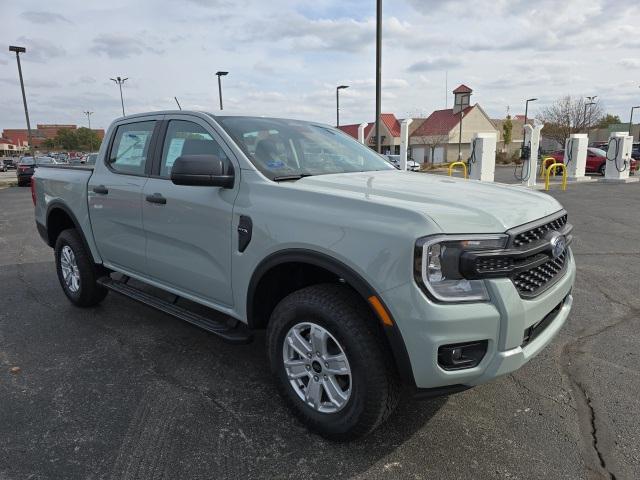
pixel 631 119
pixel 120 81
pixel 588 104
pixel 338 88
pixel 378 71
pixel 220 74
pixel 88 114
pixel 18 51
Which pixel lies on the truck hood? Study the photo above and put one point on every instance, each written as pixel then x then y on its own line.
pixel 454 204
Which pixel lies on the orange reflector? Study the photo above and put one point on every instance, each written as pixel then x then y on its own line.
pixel 380 310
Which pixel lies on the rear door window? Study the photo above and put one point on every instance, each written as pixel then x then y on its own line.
pixel 130 149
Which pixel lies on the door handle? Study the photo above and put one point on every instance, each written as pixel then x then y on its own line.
pixel 101 189
pixel 156 198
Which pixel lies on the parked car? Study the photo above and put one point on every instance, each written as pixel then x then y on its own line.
pixel 596 160
pixel 8 163
pixel 3 167
pixel 411 165
pixel 27 166
pixel 369 281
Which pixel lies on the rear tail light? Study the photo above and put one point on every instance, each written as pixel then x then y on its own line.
pixel 33 190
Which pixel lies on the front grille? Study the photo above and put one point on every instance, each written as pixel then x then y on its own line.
pixel 537 233
pixel 532 332
pixel 493 264
pixel 532 282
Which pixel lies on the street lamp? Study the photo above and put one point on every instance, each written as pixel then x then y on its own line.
pixel 18 51
pixel 220 74
pixel 120 81
pixel 378 71
pixel 588 104
pixel 338 88
pixel 631 119
pixel 88 114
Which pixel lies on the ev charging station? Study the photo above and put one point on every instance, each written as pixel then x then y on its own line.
pixel 482 163
pixel 404 142
pixel 575 157
pixel 530 155
pixel 619 159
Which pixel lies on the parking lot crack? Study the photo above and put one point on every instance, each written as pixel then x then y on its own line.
pixel 521 384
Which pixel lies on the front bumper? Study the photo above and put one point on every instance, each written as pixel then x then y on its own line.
pixel 426 325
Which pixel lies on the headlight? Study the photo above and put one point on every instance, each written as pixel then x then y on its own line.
pixel 438 266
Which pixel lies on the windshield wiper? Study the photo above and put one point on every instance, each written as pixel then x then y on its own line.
pixel 296 176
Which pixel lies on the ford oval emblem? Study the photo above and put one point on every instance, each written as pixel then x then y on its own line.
pixel 558 244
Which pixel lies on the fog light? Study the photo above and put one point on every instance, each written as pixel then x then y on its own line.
pixel 462 355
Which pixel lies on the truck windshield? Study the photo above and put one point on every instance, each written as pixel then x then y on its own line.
pixel 290 149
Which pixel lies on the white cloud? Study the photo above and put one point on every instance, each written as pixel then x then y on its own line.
pixel 286 58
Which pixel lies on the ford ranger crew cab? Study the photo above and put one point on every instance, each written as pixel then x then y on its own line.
pixel 369 281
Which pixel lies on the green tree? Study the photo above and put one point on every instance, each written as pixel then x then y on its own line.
pixel 49 143
pixel 607 120
pixel 87 139
pixel 507 132
pixel 67 139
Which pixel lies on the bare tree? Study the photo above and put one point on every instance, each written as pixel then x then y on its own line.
pixel 569 115
pixel 432 142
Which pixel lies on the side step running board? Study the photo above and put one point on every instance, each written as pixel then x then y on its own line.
pixel 232 332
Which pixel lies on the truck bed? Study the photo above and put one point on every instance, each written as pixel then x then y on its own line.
pixel 64 185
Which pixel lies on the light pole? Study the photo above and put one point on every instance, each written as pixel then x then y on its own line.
pixel 18 51
pixel 120 81
pixel 378 71
pixel 338 88
pixel 220 74
pixel 88 114
pixel 588 104
pixel 631 119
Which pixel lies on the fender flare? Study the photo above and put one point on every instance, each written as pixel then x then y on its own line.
pixel 351 277
pixel 59 205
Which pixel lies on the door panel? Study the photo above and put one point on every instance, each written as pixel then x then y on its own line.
pixel 115 198
pixel 189 236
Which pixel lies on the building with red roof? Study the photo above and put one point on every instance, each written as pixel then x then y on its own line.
pixel 438 138
pixel 389 133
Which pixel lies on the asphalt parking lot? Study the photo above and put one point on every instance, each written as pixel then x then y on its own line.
pixel 122 391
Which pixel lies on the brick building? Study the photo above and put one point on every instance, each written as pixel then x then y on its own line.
pixel 42 132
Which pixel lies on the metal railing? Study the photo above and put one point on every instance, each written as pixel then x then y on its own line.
pixel 544 164
pixel 553 167
pixel 457 164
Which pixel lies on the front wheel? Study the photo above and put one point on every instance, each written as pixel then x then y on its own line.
pixel 77 273
pixel 330 362
pixel 602 169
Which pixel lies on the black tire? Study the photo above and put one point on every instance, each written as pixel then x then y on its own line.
pixel 602 169
pixel 375 387
pixel 89 292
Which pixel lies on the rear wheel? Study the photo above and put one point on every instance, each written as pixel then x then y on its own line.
pixel 77 273
pixel 602 169
pixel 330 362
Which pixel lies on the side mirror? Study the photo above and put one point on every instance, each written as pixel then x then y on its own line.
pixel 201 170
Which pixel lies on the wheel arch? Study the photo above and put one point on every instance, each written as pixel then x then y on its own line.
pixel 327 268
pixel 59 218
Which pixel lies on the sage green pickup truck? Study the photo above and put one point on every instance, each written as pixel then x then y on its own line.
pixel 370 282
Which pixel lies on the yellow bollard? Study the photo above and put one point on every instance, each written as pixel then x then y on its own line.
pixel 548 174
pixel 543 165
pixel 455 164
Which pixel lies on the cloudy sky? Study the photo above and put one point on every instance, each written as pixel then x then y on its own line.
pixel 286 57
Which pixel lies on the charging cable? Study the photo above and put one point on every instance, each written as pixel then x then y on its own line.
pixel 614 159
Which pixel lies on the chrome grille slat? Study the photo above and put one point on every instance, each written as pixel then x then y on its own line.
pixel 534 281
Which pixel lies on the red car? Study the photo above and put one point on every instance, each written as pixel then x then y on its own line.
pixel 596 160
